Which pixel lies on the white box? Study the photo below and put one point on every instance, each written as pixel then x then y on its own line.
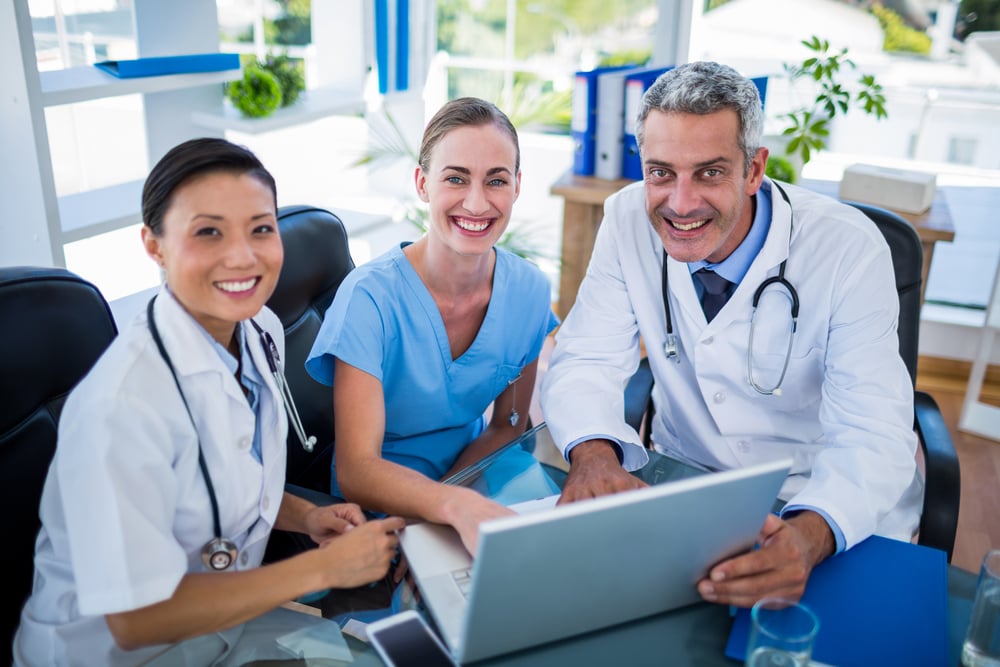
pixel 896 189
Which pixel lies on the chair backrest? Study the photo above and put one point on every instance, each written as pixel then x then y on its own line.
pixel 55 327
pixel 317 258
pixel 907 263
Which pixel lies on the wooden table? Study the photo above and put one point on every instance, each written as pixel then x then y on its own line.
pixel 583 211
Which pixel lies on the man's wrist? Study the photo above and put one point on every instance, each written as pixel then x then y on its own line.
pixel 595 449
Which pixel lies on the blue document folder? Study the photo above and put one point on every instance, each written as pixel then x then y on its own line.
pixel 884 602
pixel 583 120
pixel 159 66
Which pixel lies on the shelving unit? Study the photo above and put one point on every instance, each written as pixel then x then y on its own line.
pixel 311 105
pixel 82 84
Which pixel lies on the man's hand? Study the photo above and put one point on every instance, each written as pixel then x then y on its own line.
pixel 594 471
pixel 788 552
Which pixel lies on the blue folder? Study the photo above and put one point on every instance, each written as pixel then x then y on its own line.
pixel 583 121
pixel 201 62
pixel 884 602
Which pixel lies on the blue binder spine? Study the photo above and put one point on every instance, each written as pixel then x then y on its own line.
pixel 583 121
pixel 609 138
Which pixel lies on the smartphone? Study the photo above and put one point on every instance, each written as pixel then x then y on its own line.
pixel 405 640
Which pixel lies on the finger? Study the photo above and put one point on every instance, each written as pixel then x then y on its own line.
pixel 390 524
pixel 337 524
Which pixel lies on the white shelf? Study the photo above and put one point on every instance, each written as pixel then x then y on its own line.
pixel 101 210
pixel 311 105
pixel 81 84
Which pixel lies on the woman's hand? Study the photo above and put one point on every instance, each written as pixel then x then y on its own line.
pixel 325 522
pixel 466 509
pixel 363 554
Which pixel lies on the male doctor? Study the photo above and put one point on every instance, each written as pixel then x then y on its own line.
pixel 843 409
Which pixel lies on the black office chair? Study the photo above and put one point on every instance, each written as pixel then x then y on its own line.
pixel 939 517
pixel 56 325
pixel 317 259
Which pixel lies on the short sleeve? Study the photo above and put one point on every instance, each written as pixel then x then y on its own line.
pixel 352 331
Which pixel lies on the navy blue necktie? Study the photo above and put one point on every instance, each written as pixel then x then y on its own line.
pixel 717 292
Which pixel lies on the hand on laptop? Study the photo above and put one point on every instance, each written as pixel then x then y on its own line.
pixel 595 471
pixel 362 554
pixel 466 509
pixel 789 549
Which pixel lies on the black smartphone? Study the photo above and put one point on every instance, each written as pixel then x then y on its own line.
pixel 405 640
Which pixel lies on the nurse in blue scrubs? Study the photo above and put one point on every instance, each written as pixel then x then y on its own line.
pixel 420 342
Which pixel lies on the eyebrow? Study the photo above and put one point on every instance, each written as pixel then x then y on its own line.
pixel 699 165
pixel 216 217
pixel 467 172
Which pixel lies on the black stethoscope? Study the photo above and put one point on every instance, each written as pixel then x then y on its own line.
pixel 219 553
pixel 672 351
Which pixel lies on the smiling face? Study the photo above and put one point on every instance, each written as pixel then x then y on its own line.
pixel 219 248
pixel 471 183
pixel 698 198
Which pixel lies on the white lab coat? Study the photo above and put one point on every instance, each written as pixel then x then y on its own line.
pixel 845 413
pixel 125 511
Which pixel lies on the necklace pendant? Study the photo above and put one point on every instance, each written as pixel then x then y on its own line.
pixel 514 418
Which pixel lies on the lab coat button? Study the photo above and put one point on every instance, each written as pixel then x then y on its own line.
pixel 719 397
pixel 244 443
pixel 265 503
pixel 708 341
pixel 244 558
pixel 744 446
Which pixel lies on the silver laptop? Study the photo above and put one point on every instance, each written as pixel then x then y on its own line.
pixel 564 570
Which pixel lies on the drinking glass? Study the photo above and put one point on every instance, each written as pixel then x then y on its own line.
pixel 982 641
pixel 781 634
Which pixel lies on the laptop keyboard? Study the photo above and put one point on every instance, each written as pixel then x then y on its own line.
pixel 463 579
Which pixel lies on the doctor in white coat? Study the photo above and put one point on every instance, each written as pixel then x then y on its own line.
pixel 135 553
pixel 843 408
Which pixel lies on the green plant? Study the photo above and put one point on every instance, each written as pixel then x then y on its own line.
pixel 780 169
pixel 257 94
pixel 809 126
pixel 897 36
pixel 289 73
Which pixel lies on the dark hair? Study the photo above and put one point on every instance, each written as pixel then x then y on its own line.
pixel 189 160
pixel 465 112
pixel 703 88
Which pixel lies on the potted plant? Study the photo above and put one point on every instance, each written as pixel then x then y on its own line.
pixel 808 126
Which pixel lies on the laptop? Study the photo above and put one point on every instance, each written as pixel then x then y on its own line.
pixel 564 570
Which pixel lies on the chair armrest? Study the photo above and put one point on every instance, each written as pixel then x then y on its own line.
pixel 939 520
pixel 638 393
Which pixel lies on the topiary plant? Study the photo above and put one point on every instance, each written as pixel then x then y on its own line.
pixel 257 94
pixel 289 74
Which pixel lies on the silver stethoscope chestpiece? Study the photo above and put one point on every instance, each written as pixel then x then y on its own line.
pixel 219 554
pixel 670 348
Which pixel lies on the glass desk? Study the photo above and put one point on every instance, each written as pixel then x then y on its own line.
pixel 528 468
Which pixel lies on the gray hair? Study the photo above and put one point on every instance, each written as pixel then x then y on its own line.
pixel 703 88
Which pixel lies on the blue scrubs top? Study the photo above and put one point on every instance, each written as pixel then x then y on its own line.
pixel 384 322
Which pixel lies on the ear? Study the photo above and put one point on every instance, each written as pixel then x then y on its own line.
pixel 517 185
pixel 420 181
pixel 151 243
pixel 755 175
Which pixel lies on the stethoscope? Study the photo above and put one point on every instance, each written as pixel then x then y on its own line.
pixel 672 350
pixel 219 553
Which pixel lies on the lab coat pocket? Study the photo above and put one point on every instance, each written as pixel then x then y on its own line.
pixel 801 385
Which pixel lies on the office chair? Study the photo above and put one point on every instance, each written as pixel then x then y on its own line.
pixel 56 326
pixel 939 516
pixel 317 259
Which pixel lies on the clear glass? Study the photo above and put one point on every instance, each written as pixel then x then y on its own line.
pixel 982 641
pixel 782 632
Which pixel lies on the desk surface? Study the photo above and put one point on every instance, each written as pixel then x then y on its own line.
pixel 693 635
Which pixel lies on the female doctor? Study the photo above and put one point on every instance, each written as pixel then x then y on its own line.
pixel 169 472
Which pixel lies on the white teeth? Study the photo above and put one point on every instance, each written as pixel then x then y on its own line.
pixel 685 228
pixel 236 285
pixel 471 226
